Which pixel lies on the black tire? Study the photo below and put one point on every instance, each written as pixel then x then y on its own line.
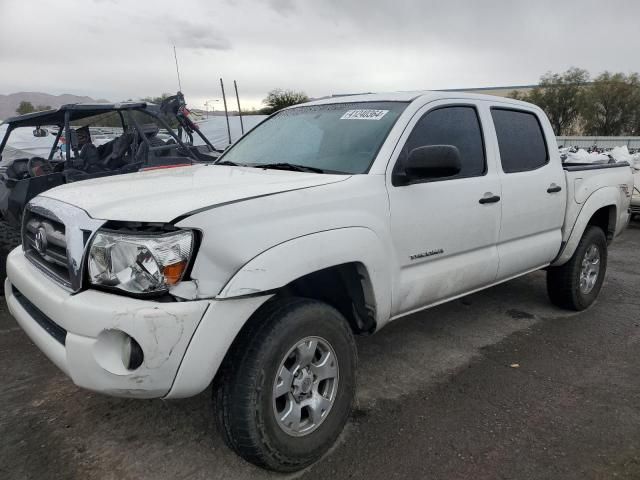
pixel 243 391
pixel 9 239
pixel 563 282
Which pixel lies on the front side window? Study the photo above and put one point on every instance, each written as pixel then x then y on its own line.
pixel 456 125
pixel 521 140
pixel 335 138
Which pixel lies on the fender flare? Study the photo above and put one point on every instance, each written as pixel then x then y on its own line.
pixel 601 198
pixel 283 263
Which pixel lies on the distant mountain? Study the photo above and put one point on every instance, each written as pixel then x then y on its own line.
pixel 9 103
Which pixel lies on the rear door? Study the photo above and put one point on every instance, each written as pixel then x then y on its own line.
pixel 533 197
pixel 444 237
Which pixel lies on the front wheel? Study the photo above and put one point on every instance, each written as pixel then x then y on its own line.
pixel 286 388
pixel 576 284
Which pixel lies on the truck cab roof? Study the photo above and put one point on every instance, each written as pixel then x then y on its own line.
pixel 410 96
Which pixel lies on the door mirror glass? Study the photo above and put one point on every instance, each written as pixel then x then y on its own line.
pixel 432 161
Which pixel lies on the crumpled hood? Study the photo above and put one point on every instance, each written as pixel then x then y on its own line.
pixel 163 195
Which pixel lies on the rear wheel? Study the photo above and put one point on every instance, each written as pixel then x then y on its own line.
pixel 576 284
pixel 285 390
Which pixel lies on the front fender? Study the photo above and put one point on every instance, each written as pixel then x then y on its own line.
pixel 288 261
pixel 601 198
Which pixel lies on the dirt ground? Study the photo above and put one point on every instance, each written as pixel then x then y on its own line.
pixel 497 385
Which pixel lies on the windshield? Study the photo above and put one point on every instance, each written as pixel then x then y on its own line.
pixel 336 138
pixel 22 142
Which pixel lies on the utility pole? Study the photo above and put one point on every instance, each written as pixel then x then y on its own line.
pixel 235 85
pixel 226 112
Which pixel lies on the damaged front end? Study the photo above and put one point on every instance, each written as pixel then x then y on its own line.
pixel 96 297
pixel 128 258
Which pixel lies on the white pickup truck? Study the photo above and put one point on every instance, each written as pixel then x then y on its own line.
pixel 328 220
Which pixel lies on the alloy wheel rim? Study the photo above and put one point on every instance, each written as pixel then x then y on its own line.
pixel 590 269
pixel 306 386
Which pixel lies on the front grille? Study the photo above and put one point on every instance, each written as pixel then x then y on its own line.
pixel 55 330
pixel 45 244
pixel 55 236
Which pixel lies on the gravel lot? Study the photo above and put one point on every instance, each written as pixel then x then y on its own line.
pixel 439 397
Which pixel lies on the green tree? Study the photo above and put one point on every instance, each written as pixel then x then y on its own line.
pixel 25 107
pixel 517 95
pixel 635 123
pixel 611 105
pixel 561 96
pixel 278 99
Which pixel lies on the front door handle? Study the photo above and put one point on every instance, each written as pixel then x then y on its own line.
pixel 553 188
pixel 489 198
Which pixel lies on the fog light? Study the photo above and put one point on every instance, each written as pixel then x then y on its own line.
pixel 117 352
pixel 135 354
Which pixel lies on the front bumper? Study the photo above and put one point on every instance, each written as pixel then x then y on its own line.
pixel 183 342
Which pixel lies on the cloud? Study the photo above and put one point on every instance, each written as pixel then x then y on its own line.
pixel 121 49
pixel 283 7
pixel 186 34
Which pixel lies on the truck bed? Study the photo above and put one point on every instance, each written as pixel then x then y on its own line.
pixel 584 180
pixel 578 167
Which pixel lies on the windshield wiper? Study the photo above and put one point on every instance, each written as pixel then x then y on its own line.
pixel 229 163
pixel 289 166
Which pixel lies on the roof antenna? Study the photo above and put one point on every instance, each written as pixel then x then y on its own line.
pixel 175 55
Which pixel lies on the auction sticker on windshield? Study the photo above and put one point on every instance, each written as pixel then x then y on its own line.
pixel 364 114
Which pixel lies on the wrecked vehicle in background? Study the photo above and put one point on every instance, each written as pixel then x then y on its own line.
pixel 148 137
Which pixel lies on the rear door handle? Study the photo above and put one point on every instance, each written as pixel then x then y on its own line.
pixel 489 198
pixel 553 188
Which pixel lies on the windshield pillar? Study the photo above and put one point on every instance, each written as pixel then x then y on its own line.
pixel 122 122
pixel 55 143
pixel 5 138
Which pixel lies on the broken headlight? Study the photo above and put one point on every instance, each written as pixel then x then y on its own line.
pixel 139 264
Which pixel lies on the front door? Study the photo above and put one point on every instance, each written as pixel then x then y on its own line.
pixel 445 230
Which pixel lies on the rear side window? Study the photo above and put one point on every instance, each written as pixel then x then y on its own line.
pixel 458 126
pixel 521 141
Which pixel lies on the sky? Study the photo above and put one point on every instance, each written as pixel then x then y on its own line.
pixel 121 49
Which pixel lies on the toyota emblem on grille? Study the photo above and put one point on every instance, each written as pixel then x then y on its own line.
pixel 41 240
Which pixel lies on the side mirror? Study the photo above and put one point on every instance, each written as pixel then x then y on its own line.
pixel 431 161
